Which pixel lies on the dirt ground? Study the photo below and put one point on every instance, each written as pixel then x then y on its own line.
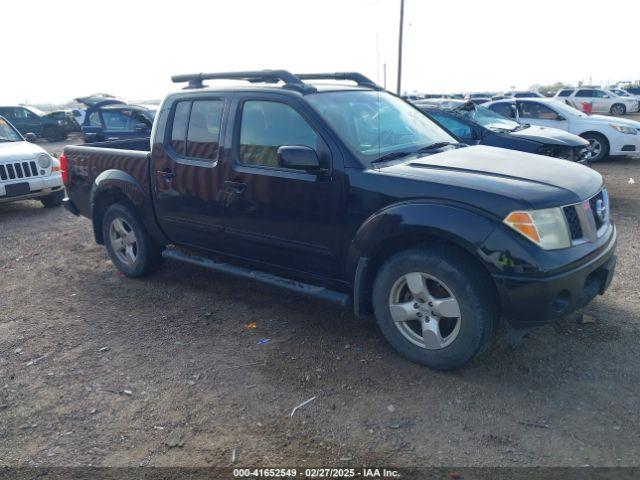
pixel 98 369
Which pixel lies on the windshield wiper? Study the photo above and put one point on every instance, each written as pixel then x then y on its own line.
pixel 6 140
pixel 437 145
pixel 391 156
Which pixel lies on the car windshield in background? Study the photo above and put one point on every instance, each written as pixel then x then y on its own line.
pixel 8 134
pixel 489 119
pixel 374 124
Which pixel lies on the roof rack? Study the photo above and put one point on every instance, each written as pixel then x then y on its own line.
pixel 360 79
pixel 261 76
pixel 290 80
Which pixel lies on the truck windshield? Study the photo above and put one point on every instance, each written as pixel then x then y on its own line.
pixel 374 124
pixel 8 134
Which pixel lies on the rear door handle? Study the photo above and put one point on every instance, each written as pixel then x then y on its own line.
pixel 237 187
pixel 166 174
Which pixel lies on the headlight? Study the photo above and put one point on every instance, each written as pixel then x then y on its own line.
pixel 562 152
pixel 546 228
pixel 624 129
pixel 44 161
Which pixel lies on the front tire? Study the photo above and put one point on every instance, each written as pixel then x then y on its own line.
pixel 598 146
pixel 128 243
pixel 53 200
pixel 435 307
pixel 618 109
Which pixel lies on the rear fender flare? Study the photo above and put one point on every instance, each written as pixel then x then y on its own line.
pixel 122 186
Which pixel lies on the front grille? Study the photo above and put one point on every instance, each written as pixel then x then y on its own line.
pixel 573 221
pixel 16 170
pixel 593 202
pixel 587 218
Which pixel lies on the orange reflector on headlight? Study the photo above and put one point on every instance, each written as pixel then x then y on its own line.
pixel 522 222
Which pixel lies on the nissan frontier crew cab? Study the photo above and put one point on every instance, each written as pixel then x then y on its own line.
pixel 347 193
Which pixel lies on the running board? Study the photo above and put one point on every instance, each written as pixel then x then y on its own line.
pixel 315 291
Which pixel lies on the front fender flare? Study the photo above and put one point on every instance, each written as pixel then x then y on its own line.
pixel 462 225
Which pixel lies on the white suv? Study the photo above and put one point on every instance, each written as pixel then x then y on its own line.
pixel 601 100
pixel 26 170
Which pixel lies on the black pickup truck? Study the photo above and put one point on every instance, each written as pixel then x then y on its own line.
pixel 347 193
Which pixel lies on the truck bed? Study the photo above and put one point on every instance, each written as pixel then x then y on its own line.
pixel 86 162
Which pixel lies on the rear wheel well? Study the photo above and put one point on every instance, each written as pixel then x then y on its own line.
pixel 101 204
pixel 392 246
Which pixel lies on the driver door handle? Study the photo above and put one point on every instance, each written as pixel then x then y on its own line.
pixel 166 174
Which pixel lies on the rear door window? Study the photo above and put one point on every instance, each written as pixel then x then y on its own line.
pixel 585 94
pixel 179 128
pixel 203 133
pixel 195 129
pixel 536 110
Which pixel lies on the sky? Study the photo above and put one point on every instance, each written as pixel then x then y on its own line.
pixel 59 50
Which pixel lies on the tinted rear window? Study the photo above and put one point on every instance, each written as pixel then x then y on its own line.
pixel 565 93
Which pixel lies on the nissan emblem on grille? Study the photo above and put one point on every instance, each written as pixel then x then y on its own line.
pixel 601 210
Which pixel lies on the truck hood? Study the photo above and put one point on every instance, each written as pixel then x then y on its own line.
pixel 11 151
pixel 550 136
pixel 531 181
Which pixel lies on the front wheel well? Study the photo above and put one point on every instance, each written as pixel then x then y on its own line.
pixel 394 245
pixel 101 204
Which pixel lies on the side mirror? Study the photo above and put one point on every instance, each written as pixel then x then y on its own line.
pixel 560 118
pixel 30 137
pixel 141 127
pixel 297 157
pixel 606 96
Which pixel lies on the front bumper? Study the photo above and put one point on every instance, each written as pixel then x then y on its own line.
pixel 529 301
pixel 38 187
pixel 624 144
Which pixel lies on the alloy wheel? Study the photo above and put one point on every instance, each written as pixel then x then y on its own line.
pixel 123 241
pixel 424 310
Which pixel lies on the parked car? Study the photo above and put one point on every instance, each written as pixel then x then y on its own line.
pixel 601 101
pixel 113 119
pixel 608 136
pixel 26 170
pixel 350 194
pixel 67 119
pixel 523 94
pixel 31 120
pixel 624 93
pixel 477 125
pixel 480 98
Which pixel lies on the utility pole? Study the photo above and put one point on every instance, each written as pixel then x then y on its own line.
pixel 384 70
pixel 400 47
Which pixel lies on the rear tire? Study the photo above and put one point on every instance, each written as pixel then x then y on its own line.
pixel 599 146
pixel 129 245
pixel 618 109
pixel 53 200
pixel 455 318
